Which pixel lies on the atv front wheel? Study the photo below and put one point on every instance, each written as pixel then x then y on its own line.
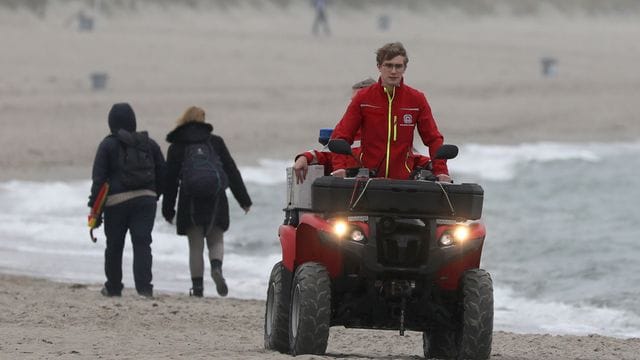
pixel 439 343
pixel 310 315
pixel 471 338
pixel 276 317
pixel 477 315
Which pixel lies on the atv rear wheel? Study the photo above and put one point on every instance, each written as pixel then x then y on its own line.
pixel 310 314
pixel 477 315
pixel 276 317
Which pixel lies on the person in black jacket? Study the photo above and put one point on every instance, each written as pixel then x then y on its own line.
pixel 201 218
pixel 127 209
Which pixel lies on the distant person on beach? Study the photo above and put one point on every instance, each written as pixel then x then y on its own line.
pixel 386 114
pixel 200 166
pixel 133 165
pixel 325 157
pixel 320 19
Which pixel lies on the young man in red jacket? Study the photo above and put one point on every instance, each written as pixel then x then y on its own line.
pixel 387 113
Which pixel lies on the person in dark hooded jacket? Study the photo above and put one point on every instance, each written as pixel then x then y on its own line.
pixel 201 218
pixel 126 209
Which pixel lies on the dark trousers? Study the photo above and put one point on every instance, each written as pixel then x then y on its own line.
pixel 136 216
pixel 320 19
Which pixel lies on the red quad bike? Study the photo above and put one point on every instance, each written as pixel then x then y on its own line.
pixel 377 253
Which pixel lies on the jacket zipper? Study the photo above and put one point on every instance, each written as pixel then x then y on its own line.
pixel 395 127
pixel 406 164
pixel 390 99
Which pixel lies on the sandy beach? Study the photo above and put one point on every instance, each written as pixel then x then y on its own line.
pixel 267 85
pixel 47 320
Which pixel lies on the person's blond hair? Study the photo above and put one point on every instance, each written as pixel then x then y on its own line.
pixel 192 114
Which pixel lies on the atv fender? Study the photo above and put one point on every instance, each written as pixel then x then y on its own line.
pixel 303 244
pixel 287 235
pixel 448 277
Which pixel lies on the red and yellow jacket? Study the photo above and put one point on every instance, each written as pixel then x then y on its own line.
pixel 388 122
pixel 327 158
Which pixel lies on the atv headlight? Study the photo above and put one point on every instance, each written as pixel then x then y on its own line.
pixel 343 230
pixel 446 239
pixel 340 228
pixel 459 234
pixel 357 235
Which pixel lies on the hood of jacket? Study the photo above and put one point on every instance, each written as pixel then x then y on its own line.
pixel 121 116
pixel 190 132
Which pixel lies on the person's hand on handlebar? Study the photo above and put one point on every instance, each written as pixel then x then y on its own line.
pixel 339 173
pixel 300 168
pixel 444 178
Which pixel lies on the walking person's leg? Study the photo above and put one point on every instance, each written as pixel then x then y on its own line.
pixel 215 244
pixel 142 218
pixel 325 23
pixel 195 234
pixel 316 22
pixel 115 230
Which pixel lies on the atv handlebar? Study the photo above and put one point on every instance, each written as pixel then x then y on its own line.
pixel 341 146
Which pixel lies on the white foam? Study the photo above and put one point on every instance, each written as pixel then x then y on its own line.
pixel 501 162
pixel 249 274
pixel 489 162
pixel 52 198
pixel 517 314
pixel 43 232
pixel 268 172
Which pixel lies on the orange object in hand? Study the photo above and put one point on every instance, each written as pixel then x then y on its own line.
pixel 96 210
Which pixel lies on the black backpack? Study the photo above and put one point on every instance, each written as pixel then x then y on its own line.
pixel 136 160
pixel 202 174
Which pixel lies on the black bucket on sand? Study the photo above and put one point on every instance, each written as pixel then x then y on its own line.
pixel 549 66
pixel 384 22
pixel 85 22
pixel 99 80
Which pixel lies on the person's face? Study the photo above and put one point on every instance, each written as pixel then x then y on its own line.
pixel 391 71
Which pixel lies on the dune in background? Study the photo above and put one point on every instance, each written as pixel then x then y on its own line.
pixel 469 7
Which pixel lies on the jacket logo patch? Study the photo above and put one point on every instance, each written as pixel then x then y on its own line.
pixel 407 119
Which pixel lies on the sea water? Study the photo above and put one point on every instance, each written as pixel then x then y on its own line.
pixel 562 246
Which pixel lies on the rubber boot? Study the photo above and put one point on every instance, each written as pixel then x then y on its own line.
pixel 197 289
pixel 216 274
